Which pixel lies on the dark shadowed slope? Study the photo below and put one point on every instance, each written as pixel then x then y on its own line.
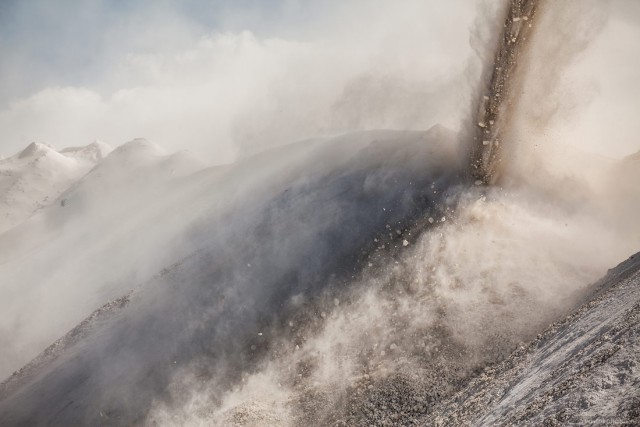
pixel 303 225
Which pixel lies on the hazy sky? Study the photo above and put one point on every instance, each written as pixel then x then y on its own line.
pixel 67 42
pixel 223 76
pixel 220 77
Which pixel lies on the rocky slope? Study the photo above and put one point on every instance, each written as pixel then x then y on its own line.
pixel 584 370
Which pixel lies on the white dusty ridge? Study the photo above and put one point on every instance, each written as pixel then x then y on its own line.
pixel 36 176
pixel 102 197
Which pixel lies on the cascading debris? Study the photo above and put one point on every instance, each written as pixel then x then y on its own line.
pixel 498 97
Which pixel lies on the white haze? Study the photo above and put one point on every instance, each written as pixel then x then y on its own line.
pixel 361 65
pixel 488 274
pixel 216 92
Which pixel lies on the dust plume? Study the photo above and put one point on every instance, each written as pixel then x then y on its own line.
pixel 502 95
pixel 501 265
pixel 352 279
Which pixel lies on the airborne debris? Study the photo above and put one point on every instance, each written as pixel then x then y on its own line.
pixel 485 158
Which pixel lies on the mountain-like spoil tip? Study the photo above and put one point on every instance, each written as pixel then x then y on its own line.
pixel 140 146
pixel 93 152
pixel 35 149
